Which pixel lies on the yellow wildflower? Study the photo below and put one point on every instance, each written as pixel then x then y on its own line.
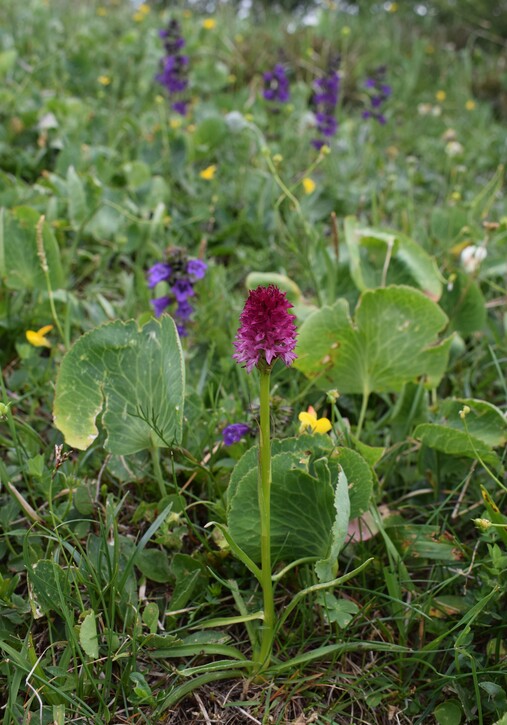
pixel 208 173
pixel 470 104
pixel 191 127
pixel 308 185
pixel 38 339
pixel 104 80
pixel 392 8
pixel 440 96
pixel 175 123
pixel 310 423
pixel 209 23
pixel 102 12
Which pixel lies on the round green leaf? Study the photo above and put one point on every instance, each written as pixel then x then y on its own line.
pixel 393 340
pixel 132 375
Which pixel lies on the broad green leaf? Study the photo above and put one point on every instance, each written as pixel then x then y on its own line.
pixel 464 304
pixel 307 450
pixel 326 567
pixel 150 616
pixel 393 340
pixel 20 265
pixel 51 586
pixel 302 513
pixel 88 635
pixel 303 446
pixel 454 442
pixel 154 564
pixel 359 479
pixel 486 425
pixel 76 199
pixel 375 253
pixel 448 713
pixel 129 374
pixel 484 421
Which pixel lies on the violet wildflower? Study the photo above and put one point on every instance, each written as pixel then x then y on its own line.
pixel 234 432
pixel 182 289
pixel 179 276
pixel 324 101
pixel 173 75
pixel 276 85
pixel 267 330
pixel 160 304
pixel 196 268
pixel 378 93
pixel 160 272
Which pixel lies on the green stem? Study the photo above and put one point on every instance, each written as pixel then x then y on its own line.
pixel 155 458
pixel 364 406
pixel 265 522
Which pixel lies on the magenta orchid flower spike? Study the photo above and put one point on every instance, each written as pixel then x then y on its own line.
pixel 267 331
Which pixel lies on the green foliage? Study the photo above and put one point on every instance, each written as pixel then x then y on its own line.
pixel 136 375
pixel 356 356
pixel 117 599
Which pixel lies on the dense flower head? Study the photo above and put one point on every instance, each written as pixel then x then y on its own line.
pixel 173 75
pixel 378 93
pixel 234 432
pixel 267 331
pixel 276 85
pixel 324 102
pixel 178 276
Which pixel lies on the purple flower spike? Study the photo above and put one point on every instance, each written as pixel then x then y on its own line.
pixel 267 329
pixel 160 304
pixel 182 289
pixel 160 272
pixel 184 310
pixel 196 268
pixel 234 432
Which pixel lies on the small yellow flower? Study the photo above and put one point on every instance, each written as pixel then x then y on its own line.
pixel 231 78
pixel 249 117
pixel 143 8
pixel 311 424
pixel 175 123
pixel 470 104
pixel 308 185
pixel 191 127
pixel 102 12
pixel 393 8
pixel 440 96
pixel 209 23
pixel 104 80
pixel 38 339
pixel 325 150
pixel 208 173
pixel 277 159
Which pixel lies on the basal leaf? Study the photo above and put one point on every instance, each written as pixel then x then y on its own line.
pixel 393 340
pixel 326 567
pixel 302 512
pixel 88 635
pixel 375 253
pixel 129 374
